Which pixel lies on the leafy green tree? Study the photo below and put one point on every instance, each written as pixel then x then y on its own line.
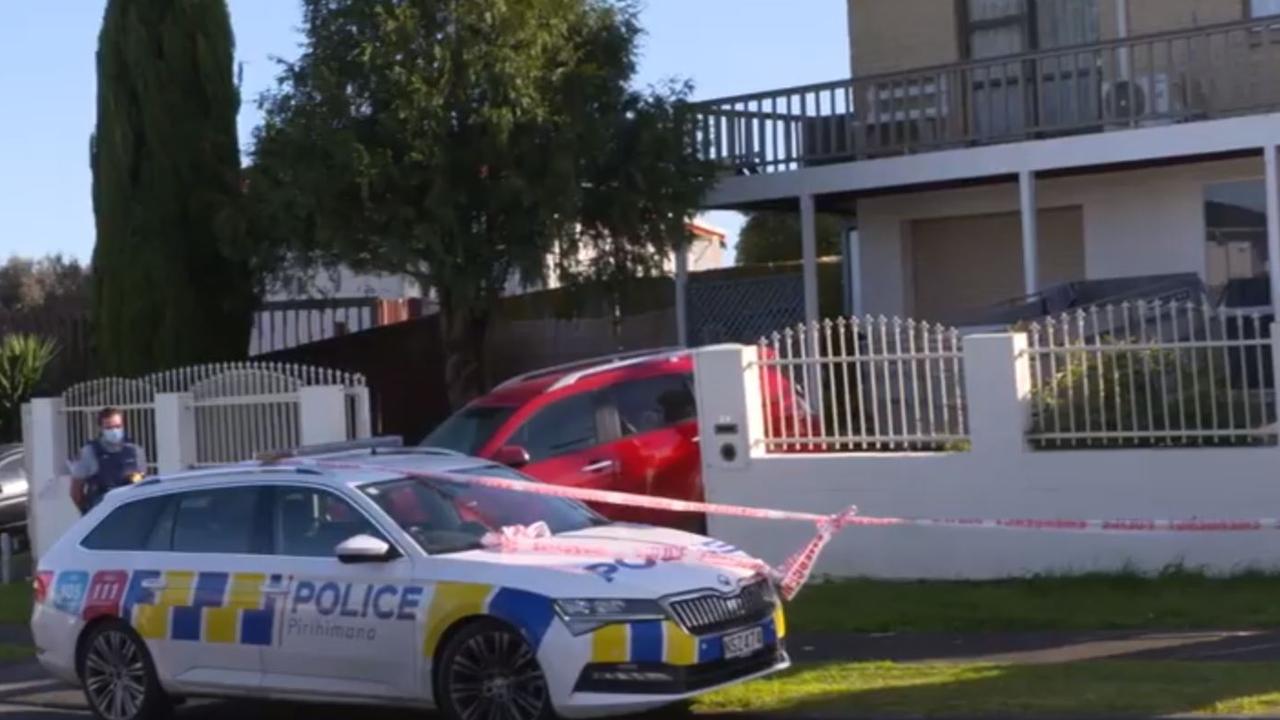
pixel 23 360
pixel 166 189
pixel 468 143
pixel 774 236
pixel 51 282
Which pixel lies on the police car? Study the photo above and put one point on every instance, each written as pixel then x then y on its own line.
pixel 370 584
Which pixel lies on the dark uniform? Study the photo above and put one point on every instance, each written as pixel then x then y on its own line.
pixel 107 468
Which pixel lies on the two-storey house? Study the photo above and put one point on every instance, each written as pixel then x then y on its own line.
pixel 989 150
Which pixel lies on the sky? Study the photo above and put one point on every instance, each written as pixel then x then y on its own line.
pixel 47 78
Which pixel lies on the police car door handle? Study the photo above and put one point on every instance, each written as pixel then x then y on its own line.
pixel 153 584
pixel 597 466
pixel 275 588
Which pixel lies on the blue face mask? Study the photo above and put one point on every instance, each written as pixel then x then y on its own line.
pixel 115 436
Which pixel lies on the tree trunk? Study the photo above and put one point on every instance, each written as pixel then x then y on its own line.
pixel 462 333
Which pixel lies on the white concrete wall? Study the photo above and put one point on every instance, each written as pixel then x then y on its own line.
pixel 1137 222
pixel 999 478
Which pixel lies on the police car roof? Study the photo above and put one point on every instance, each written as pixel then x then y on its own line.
pixel 338 468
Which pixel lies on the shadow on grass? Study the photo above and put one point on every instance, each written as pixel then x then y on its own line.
pixel 1131 688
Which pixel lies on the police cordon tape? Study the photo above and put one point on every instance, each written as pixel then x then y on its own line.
pixel 790 576
pixel 796 570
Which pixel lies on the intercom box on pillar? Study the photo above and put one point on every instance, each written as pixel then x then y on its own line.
pixel 730 416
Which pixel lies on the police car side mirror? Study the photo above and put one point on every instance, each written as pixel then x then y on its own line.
pixel 363 549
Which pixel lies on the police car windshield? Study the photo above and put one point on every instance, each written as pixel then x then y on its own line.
pixel 445 516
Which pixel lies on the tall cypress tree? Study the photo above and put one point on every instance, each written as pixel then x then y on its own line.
pixel 166 189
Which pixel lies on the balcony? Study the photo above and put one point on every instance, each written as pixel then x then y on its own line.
pixel 1176 77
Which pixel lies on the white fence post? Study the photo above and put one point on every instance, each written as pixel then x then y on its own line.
pixel 322 412
pixel 49 508
pixel 730 405
pixel 363 420
pixel 1275 374
pixel 175 432
pixel 997 378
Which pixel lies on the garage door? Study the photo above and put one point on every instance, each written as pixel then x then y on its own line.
pixel 960 264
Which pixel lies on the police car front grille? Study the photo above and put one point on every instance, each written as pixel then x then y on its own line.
pixel 713 612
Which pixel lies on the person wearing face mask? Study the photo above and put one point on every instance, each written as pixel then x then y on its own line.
pixel 106 462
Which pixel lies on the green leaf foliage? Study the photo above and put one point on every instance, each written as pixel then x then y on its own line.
pixel 23 359
pixel 772 236
pixel 470 143
pixel 166 189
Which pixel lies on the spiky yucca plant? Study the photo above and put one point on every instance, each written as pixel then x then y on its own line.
pixel 23 361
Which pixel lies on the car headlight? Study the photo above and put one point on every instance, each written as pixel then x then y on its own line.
pixel 583 615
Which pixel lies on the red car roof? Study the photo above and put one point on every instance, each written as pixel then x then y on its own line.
pixel 520 391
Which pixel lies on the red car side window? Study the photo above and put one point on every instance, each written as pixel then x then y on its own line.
pixel 565 426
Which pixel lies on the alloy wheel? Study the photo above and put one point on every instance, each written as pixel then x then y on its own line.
pixel 495 676
pixel 115 676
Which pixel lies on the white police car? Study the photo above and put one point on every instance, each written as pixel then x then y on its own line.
pixel 369 585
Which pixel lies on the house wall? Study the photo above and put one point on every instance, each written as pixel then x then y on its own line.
pixel 893 35
pixel 1137 222
pixel 901 34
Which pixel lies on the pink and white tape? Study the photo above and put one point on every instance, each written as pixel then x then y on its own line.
pixel 795 572
pixel 791 575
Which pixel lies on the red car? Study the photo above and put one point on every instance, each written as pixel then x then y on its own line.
pixel 627 422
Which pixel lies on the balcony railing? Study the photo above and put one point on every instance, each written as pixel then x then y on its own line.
pixel 1208 72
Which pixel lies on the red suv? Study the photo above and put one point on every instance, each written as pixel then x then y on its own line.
pixel 627 422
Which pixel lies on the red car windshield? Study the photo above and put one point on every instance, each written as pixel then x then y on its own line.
pixel 468 429
pixel 445 516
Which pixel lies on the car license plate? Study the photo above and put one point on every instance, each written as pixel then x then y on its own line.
pixel 744 643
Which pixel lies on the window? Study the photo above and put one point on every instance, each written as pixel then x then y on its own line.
pixel 312 523
pixel 470 428
pixel 654 403
pixel 445 516
pixel 1264 8
pixel 566 426
pixel 1235 215
pixel 220 521
pixel 134 526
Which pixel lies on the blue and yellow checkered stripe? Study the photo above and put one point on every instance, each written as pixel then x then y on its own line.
pixel 211 607
pixel 452 601
pixel 656 641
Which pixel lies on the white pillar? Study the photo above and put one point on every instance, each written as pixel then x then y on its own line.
pixel 363 410
pixel 1122 32
pixel 682 287
pixel 323 413
pixel 726 379
pixel 175 432
pixel 809 253
pixel 997 385
pixel 853 268
pixel 1030 240
pixel 44 439
pixel 1273 223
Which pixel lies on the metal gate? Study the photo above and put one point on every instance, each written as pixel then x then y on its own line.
pixel 742 309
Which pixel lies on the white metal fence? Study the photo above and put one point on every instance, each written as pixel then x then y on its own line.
pixel 1150 374
pixel 135 399
pixel 863 384
pixel 241 408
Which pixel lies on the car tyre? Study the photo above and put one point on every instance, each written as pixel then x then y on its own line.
pixel 118 676
pixel 487 669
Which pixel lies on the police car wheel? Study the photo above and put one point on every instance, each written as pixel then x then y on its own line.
pixel 118 676
pixel 487 670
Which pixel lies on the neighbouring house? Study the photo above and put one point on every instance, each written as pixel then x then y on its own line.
pixel 989 150
pixel 334 301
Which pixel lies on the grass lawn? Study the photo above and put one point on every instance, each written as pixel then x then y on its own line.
pixel 1093 688
pixel 15 604
pixel 13 653
pixel 1170 601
